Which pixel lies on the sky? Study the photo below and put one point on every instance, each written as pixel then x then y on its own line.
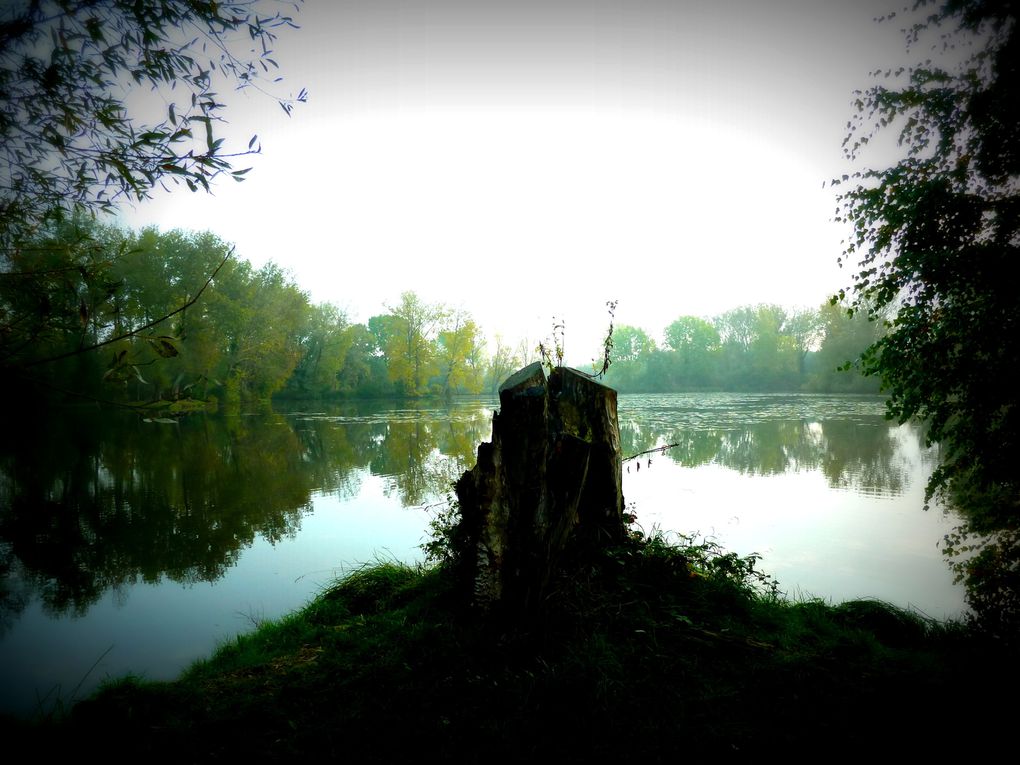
pixel 534 159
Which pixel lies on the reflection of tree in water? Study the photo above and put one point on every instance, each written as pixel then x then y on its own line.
pixel 863 456
pixel 14 594
pixel 867 454
pixel 424 456
pixel 93 501
pixel 335 454
pixel 766 448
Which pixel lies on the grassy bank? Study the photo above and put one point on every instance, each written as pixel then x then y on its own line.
pixel 654 653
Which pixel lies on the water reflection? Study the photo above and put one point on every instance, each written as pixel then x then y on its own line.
pixel 93 501
pixel 847 439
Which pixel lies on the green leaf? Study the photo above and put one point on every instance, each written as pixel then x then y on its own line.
pixel 164 346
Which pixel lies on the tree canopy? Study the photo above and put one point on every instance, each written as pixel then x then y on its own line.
pixel 935 238
pixel 70 139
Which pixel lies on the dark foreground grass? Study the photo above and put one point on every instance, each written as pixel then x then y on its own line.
pixel 656 652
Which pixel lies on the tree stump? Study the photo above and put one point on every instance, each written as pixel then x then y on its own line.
pixel 549 485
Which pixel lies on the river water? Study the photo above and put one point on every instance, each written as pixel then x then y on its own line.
pixel 129 546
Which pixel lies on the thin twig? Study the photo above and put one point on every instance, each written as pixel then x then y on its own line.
pixel 134 332
pixel 657 449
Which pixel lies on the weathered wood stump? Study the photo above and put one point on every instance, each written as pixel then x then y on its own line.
pixel 548 487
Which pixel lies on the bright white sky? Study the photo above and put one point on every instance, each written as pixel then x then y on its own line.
pixel 535 158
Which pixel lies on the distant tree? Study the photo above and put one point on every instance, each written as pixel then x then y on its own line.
pixel 631 351
pixel 364 372
pixel 775 356
pixel 325 341
pixel 69 137
pixel 690 334
pixel 836 365
pixel 764 346
pixel 630 343
pixel 87 305
pixel 56 300
pixel 505 360
pixel 806 328
pixel 695 343
pixel 738 327
pixel 257 318
pixel 410 347
pixel 460 352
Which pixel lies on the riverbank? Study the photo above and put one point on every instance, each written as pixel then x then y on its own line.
pixel 657 652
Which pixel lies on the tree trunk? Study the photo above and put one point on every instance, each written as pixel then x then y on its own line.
pixel 547 488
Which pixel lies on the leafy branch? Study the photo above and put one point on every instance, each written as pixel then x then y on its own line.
pixel 607 343
pixel 70 139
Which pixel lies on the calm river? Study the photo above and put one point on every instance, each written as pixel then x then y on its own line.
pixel 136 547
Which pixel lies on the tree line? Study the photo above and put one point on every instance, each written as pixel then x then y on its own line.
pixel 98 312
pixel 750 348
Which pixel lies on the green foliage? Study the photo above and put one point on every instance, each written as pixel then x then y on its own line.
pixel 364 368
pixel 703 557
pixel 696 345
pixel 56 292
pixel 460 355
pixel 846 335
pixel 631 343
pixel 443 547
pixel 72 315
pixel 408 343
pixel 73 133
pixel 987 561
pixel 98 312
pixel 326 339
pixel 691 335
pixel 762 346
pixel 424 349
pixel 750 348
pixel 935 238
